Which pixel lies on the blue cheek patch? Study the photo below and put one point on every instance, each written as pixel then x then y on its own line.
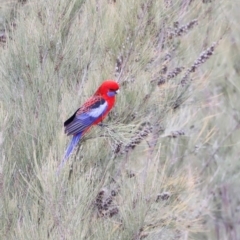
pixel 111 94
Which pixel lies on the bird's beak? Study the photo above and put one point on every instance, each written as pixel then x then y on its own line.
pixel 117 91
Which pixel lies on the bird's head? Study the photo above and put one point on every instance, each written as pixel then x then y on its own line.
pixel 108 88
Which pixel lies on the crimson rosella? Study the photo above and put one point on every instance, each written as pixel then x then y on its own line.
pixel 92 112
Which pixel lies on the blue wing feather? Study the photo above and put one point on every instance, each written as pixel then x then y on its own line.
pixel 84 119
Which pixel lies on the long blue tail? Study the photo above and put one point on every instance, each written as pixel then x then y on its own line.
pixel 70 148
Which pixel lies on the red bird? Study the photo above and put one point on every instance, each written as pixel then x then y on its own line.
pixel 91 113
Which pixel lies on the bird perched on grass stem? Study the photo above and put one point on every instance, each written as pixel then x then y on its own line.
pixel 92 112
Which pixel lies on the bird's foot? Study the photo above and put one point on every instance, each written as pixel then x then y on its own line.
pixel 102 125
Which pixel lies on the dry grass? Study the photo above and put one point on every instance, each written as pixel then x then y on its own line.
pixel 166 166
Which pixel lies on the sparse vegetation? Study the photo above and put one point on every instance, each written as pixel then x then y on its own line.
pixel 166 166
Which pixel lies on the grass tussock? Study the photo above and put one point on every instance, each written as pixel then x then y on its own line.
pixel 166 165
